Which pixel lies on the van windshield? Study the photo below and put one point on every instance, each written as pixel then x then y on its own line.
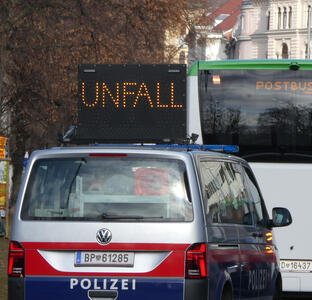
pixel 108 188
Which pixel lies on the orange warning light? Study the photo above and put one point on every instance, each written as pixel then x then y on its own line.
pixel 216 79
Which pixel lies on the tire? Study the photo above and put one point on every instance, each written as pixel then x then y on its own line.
pixel 227 294
pixel 278 291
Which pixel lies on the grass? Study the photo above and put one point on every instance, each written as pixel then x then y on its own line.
pixel 4 246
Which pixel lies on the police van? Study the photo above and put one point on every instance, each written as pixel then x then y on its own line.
pixel 136 221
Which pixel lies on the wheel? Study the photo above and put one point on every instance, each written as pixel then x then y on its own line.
pixel 227 294
pixel 278 291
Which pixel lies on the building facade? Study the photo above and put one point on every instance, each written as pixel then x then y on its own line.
pixel 210 35
pixel 271 29
pixel 216 30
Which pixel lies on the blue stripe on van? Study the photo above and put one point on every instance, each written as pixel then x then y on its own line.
pixel 76 288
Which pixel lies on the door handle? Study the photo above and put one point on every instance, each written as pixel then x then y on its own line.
pixel 102 295
pixel 228 246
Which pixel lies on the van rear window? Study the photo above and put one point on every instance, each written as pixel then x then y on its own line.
pixel 108 188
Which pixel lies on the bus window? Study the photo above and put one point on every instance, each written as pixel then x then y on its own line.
pixel 267 112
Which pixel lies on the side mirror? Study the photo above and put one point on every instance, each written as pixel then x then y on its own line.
pixel 280 217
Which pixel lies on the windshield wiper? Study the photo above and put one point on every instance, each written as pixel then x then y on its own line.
pixel 107 216
pixel 82 161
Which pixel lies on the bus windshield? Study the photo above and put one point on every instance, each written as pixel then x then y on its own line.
pixel 268 113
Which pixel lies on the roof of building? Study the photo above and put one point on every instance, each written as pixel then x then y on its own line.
pixel 225 17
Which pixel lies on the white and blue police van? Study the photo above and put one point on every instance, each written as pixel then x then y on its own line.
pixel 174 221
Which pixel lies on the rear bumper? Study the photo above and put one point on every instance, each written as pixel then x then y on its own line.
pixel 294 295
pixel 82 288
pixel 16 289
pixel 196 289
pixel 295 282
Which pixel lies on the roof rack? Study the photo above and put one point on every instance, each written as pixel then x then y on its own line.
pixel 188 144
pixel 188 147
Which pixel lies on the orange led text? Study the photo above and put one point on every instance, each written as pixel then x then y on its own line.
pixel 300 86
pixel 129 94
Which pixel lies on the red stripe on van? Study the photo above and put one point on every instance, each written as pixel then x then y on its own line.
pixel 223 256
pixel 172 266
pixel 254 257
pixel 249 256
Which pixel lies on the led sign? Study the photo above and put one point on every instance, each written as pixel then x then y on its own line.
pixel 131 103
pixel 300 86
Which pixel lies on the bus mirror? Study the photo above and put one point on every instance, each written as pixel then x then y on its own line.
pixel 280 217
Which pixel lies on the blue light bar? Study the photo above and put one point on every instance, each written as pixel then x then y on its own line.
pixel 219 148
pixel 222 148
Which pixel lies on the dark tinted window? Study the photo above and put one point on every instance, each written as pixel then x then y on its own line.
pixel 268 113
pixel 108 188
pixel 225 196
pixel 256 199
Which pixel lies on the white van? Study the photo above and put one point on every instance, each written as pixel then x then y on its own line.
pixel 135 222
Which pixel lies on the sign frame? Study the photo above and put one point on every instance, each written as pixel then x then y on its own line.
pixel 131 103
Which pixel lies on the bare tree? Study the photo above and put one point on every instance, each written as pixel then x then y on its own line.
pixel 42 43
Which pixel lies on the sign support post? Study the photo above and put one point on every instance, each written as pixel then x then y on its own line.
pixel 7 208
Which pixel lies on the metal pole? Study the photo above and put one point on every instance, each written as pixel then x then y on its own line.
pixel 7 194
pixel 309 32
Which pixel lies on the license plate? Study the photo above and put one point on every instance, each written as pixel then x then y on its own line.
pixel 296 265
pixel 109 259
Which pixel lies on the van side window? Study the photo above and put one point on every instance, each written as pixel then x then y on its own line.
pixel 225 196
pixel 256 197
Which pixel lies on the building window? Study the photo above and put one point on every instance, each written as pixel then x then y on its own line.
pixel 242 19
pixel 279 24
pixel 230 48
pixel 307 51
pixel 284 18
pixel 290 17
pixel 268 21
pixel 284 51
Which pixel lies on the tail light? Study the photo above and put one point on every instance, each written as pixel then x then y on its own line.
pixel 16 260
pixel 196 264
pixel 269 237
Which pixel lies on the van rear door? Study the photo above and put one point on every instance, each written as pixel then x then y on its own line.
pixel 100 226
